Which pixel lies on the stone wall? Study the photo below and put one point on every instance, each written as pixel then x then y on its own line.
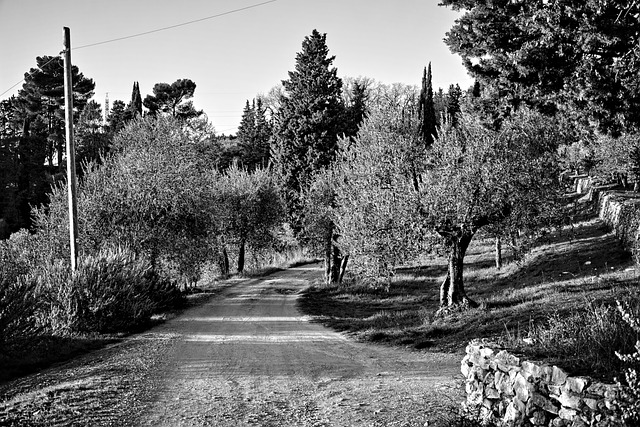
pixel 503 390
pixel 620 210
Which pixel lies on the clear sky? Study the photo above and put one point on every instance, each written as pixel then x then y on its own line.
pixel 233 57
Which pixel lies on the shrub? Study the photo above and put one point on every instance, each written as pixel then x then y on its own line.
pixel 586 338
pixel 111 291
pixel 629 401
pixel 18 302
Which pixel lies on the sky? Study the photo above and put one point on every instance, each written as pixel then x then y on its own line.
pixel 231 57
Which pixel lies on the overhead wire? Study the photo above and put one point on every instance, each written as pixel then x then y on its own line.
pixel 31 73
pixel 153 31
pixel 175 26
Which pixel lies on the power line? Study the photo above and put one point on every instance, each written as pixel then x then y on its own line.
pixel 31 73
pixel 154 31
pixel 176 25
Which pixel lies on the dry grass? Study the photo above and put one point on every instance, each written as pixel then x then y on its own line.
pixel 564 274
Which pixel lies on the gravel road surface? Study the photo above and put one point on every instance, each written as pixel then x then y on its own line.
pixel 246 357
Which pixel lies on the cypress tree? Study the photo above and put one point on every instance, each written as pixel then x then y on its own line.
pixel 135 106
pixel 453 104
pixel 309 121
pixel 427 111
pixel 246 129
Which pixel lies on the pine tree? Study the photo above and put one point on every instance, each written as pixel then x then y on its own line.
pixel 42 98
pixel 428 123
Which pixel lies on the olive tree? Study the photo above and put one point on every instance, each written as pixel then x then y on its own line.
pixel 395 198
pixel 246 209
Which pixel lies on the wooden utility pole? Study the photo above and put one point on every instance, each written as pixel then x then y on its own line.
pixel 71 152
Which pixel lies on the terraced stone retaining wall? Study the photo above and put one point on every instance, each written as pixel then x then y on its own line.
pixel 503 390
pixel 620 210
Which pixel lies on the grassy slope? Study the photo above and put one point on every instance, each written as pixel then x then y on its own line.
pixel 561 275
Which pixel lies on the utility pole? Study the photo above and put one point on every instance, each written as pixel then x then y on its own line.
pixel 71 155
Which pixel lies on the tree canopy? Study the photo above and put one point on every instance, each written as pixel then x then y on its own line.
pixel 557 55
pixel 172 99
pixel 394 199
pixel 309 119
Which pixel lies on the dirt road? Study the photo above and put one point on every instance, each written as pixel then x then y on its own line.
pixel 248 357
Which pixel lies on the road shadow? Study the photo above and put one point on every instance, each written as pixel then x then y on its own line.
pixel 36 354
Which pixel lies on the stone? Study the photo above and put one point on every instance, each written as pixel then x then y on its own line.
pixel 570 400
pixel 531 370
pixel 597 389
pixel 503 383
pixel 475 398
pixel 505 361
pixel 576 384
pixel 558 376
pixel 567 414
pixel 511 414
pixel 542 402
pixel 554 390
pixel 520 405
pixel 486 352
pixel 476 373
pixel 489 378
pixel 488 404
pixel 471 386
pixel 591 403
pixel 547 373
pixel 522 388
pixel 559 422
pixel 465 367
pixel 472 348
pixel 579 422
pixel 491 393
pixel 539 418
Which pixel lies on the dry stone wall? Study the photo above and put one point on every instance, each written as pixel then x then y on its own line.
pixel 504 390
pixel 620 210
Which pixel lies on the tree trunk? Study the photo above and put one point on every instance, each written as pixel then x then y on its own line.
pixel 452 289
pixel 327 259
pixel 343 267
pixel 498 252
pixel 444 291
pixel 241 251
pixel 224 262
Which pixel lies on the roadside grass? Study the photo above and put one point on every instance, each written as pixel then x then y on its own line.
pixel 568 275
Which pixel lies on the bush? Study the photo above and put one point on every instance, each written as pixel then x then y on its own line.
pixel 112 291
pixel 586 339
pixel 18 302
pixel 629 401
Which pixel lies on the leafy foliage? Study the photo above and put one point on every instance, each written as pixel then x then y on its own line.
pixel 254 135
pixel 394 197
pixel 42 96
pixel 308 121
pixel 18 300
pixel 560 55
pixel 630 399
pixel 247 208
pixel 170 99
pixel 428 123
pixel 375 193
